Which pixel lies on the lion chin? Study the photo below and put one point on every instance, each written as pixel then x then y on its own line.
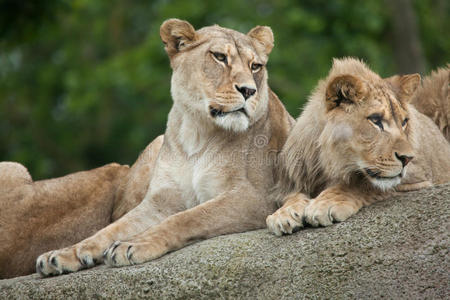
pixel 385 183
pixel 236 121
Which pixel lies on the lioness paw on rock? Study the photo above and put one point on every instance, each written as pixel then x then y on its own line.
pixel 211 176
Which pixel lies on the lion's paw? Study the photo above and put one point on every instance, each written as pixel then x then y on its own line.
pixel 119 254
pixel 285 220
pixel 58 262
pixel 46 265
pixel 324 212
pixel 66 260
pixel 131 253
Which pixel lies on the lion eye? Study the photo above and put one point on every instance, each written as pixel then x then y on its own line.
pixel 256 67
pixel 220 56
pixel 377 120
pixel 405 121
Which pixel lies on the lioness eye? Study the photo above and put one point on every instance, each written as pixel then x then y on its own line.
pixel 377 120
pixel 404 122
pixel 220 57
pixel 256 67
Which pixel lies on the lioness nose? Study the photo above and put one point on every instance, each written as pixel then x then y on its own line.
pixel 245 91
pixel 404 158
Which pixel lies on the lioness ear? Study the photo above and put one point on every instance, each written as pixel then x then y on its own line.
pixel 176 34
pixel 264 36
pixel 345 89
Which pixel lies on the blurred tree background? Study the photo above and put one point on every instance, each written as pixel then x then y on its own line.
pixel 84 83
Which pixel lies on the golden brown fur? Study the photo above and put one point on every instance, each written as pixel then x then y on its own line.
pixel 357 139
pixel 36 217
pixel 213 171
pixel 433 99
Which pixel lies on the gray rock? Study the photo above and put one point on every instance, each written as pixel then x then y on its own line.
pixel 394 249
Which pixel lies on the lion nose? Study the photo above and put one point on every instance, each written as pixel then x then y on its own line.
pixel 245 91
pixel 404 158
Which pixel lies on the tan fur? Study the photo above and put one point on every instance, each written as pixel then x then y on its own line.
pixel 218 158
pixel 39 216
pixel 433 99
pixel 339 156
pixel 132 189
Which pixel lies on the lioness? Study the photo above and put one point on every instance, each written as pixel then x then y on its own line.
pixel 356 139
pixel 216 164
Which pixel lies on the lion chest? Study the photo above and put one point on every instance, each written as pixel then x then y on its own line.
pixel 204 179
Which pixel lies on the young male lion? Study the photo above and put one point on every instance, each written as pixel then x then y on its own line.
pixel 356 139
pixel 215 166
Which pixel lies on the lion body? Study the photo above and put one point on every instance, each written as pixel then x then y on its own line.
pixel 212 173
pixel 343 161
pixel 36 217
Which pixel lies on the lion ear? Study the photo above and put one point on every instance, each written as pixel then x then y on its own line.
pixel 264 36
pixel 176 34
pixel 344 90
pixel 404 85
pixel 408 86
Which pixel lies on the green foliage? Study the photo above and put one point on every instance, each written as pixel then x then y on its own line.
pixel 84 83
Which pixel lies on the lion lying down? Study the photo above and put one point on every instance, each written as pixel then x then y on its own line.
pixel 205 181
pixel 39 216
pixel 209 175
pixel 216 164
pixel 357 138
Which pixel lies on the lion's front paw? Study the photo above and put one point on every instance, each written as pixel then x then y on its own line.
pixel 286 220
pixel 65 260
pixel 119 254
pixel 323 212
pixel 58 262
pixel 46 264
pixel 131 253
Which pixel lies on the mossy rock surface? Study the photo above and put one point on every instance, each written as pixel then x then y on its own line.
pixel 394 249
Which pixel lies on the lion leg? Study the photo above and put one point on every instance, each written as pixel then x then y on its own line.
pixel 129 192
pixel 407 187
pixel 290 216
pixel 336 204
pixel 47 214
pixel 222 215
pixel 89 252
pixel 133 189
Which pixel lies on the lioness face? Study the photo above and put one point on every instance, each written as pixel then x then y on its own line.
pixel 369 126
pixel 219 74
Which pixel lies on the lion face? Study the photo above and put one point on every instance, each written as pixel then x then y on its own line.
pixel 369 128
pixel 219 74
